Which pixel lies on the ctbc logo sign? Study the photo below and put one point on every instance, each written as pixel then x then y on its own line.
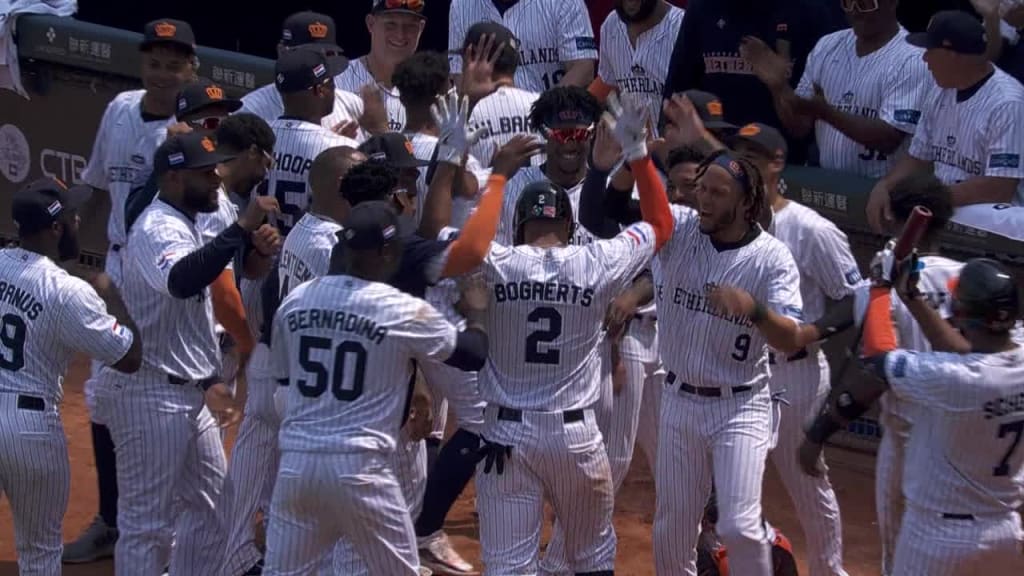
pixel 64 166
pixel 15 157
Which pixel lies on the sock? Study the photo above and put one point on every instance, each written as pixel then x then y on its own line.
pixel 106 473
pixel 433 451
pixel 447 479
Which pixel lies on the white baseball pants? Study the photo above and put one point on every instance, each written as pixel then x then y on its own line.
pixel 889 503
pixel 931 545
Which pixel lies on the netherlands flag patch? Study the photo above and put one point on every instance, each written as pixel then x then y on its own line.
pixel 638 234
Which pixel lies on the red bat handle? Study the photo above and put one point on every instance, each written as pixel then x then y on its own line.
pixel 913 232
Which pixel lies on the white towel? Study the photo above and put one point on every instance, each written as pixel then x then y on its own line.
pixel 10 72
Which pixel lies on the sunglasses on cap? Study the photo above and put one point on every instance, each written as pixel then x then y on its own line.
pixel 569 135
pixel 207 123
pixel 410 4
pixel 862 6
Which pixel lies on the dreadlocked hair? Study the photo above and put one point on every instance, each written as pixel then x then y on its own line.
pixel 922 189
pixel 563 98
pixel 755 188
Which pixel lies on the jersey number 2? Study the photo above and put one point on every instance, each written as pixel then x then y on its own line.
pixel 12 336
pixel 552 329
pixel 1017 429
pixel 348 355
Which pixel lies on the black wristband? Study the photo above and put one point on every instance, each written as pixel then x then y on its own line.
pixel 207 383
pixel 836 319
pixel 759 313
pixel 823 427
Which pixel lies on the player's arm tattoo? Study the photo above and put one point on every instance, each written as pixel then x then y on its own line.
pixel 846 404
pixel 984 190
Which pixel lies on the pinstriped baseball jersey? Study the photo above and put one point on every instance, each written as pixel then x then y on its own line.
pixel 550 33
pixel 547 309
pixel 822 254
pixel 978 137
pixel 423 146
pixel 526 176
pixel 358 75
pixel 887 84
pixel 639 73
pixel 265 102
pixel 306 253
pixel 717 350
pixel 505 113
pixel 210 225
pixel 177 335
pixel 122 155
pixel 344 346
pixel 934 282
pixel 46 315
pixel 965 453
pixel 298 144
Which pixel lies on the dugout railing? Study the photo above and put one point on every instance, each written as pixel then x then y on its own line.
pixel 71 69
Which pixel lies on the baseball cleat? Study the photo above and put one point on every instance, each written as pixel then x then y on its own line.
pixel 96 543
pixel 437 554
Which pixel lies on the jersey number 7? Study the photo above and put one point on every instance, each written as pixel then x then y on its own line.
pixel 1017 429
pixel 348 356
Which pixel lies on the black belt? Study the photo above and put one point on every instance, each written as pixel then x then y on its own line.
pixel 645 317
pixel 33 403
pixel 704 391
pixel 515 415
pixel 178 381
pixel 949 516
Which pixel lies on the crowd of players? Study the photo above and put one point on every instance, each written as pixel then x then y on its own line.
pixel 570 248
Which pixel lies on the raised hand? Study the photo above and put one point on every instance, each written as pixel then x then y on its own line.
pixel 478 68
pixel 606 150
pixel 768 66
pixel 257 211
pixel 628 123
pixel 452 115
pixel 516 154
pixel 684 124
pixel 375 113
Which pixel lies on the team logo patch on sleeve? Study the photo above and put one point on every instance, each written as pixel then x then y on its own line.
pixel 852 277
pixel 586 43
pixel 165 260
pixel 1006 160
pixel 638 235
pixel 907 116
pixel 793 312
pixel 119 329
pixel 899 366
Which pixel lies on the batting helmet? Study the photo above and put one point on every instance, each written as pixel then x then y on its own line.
pixel 542 200
pixel 987 292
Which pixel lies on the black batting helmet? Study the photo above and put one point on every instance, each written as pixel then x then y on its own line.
pixel 988 293
pixel 542 200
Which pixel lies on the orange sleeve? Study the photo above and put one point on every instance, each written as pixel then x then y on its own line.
pixel 879 333
pixel 598 89
pixel 228 308
pixel 654 206
pixel 470 248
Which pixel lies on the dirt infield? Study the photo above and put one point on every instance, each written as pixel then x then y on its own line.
pixel 851 474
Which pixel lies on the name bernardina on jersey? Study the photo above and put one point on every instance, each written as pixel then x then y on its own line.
pixel 337 321
pixel 543 292
pixel 24 301
pixel 295 267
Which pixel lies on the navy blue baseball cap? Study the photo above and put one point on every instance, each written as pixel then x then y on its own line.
pixel 953 30
pixel 412 7
pixel 168 31
pixel 369 225
pixel 192 151
pixel 203 93
pixel 304 68
pixel 38 205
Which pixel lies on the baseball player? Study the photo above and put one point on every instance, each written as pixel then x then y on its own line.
pixel 972 121
pixel 315 31
pixel 540 430
pixel 132 126
pixel 497 104
pixel 422 78
pixel 964 477
pixel 636 45
pixel 377 330
pixel 555 39
pixel 395 28
pixel 305 80
pixel 828 274
pixel 47 315
pixel 567 116
pixel 170 457
pixel 860 92
pixel 737 289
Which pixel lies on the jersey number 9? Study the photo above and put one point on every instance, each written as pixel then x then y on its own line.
pixel 551 330
pixel 349 359
pixel 12 336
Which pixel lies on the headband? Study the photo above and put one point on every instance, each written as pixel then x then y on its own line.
pixel 726 161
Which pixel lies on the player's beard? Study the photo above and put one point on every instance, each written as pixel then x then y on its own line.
pixel 68 247
pixel 646 9
pixel 199 199
pixel 721 223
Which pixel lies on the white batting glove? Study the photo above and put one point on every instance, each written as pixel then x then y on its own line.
pixel 883 265
pixel 628 122
pixel 452 115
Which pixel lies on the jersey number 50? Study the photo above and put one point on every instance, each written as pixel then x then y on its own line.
pixel 12 336
pixel 349 359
